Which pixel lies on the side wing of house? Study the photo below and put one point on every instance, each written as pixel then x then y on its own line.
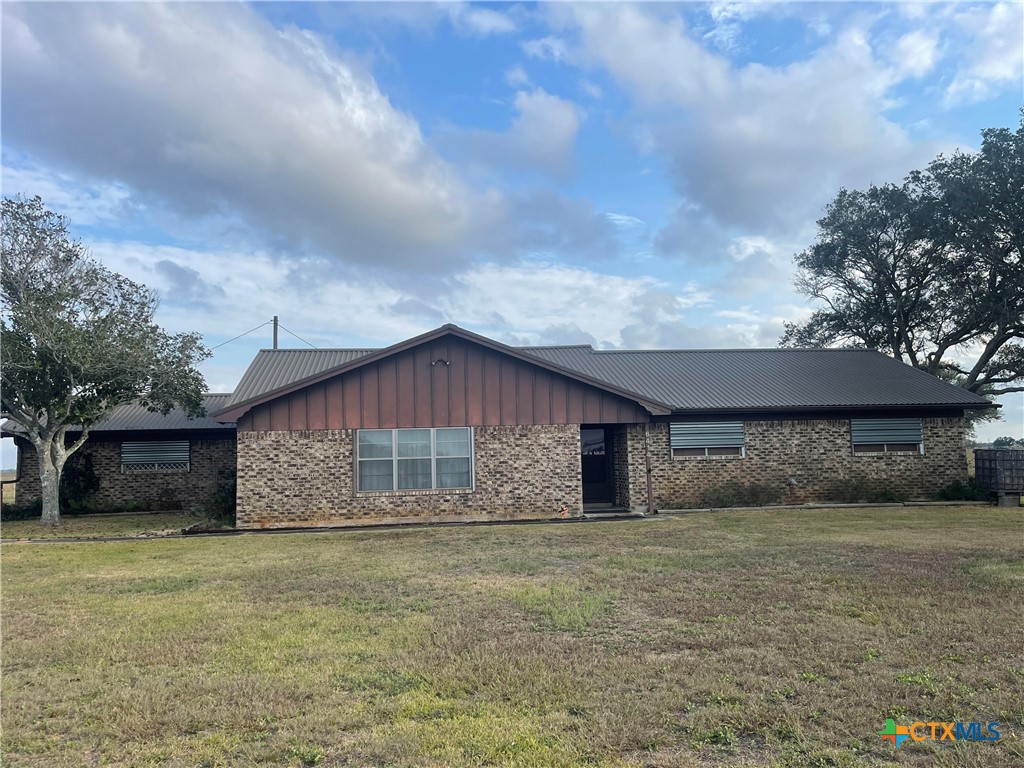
pixel 138 459
pixel 795 457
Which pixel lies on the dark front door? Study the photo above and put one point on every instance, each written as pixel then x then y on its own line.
pixel 596 449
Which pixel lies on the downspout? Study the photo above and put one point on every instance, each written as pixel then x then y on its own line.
pixel 647 463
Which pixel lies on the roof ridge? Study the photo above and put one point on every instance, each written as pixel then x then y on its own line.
pixel 594 349
pixel 326 349
pixel 740 349
pixel 555 346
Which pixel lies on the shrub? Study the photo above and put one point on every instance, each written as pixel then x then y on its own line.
pixel 886 496
pixel 132 505
pixel 847 490
pixel 78 483
pixel 855 490
pixel 958 491
pixel 221 507
pixel 736 494
pixel 28 511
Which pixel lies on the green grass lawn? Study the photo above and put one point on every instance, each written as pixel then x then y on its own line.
pixel 757 638
pixel 98 526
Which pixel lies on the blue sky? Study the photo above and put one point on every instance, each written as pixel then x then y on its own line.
pixel 624 175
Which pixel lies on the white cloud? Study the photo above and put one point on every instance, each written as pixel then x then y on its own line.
pixel 542 136
pixel 480 22
pixel 592 89
pixel 102 203
pixel 994 54
pixel 200 105
pixel 516 76
pixel 624 220
pixel 550 48
pixel 753 148
pixel 653 55
pixel 530 297
pixel 915 53
pixel 742 248
pixel 529 301
pixel 728 19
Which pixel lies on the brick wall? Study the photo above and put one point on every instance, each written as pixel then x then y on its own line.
pixel 306 478
pixel 29 486
pixel 815 453
pixel 620 455
pixel 157 490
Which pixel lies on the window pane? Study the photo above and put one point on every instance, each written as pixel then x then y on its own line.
pixel 452 442
pixel 453 473
pixel 413 473
pixel 869 448
pixel 376 475
pixel 375 444
pixel 413 443
pixel 689 452
pixel 724 451
pixel 592 442
pixel 902 448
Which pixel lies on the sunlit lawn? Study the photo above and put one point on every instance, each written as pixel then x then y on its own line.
pixel 754 638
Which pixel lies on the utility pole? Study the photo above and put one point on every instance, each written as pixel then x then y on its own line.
pixel 275 331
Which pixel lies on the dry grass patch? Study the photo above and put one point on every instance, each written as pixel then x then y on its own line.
pixel 748 638
pixel 99 526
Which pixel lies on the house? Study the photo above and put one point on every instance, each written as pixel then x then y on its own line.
pixel 451 425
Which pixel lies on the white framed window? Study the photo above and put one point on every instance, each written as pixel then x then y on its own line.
pixel 887 435
pixel 156 456
pixel 707 438
pixel 437 458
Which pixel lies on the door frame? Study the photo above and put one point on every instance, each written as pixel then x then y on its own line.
pixel 608 496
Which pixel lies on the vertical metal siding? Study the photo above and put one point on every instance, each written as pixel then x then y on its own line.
pixel 479 387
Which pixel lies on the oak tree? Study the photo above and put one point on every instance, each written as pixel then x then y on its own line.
pixel 76 341
pixel 930 271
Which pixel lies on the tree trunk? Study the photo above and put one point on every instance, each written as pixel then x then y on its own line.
pixel 49 477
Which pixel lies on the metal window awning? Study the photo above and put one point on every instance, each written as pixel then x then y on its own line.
pixel 867 431
pixel 706 434
pixel 155 452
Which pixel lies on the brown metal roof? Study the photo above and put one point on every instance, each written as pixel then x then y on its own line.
pixel 275 368
pixel 135 417
pixel 686 380
pixel 765 379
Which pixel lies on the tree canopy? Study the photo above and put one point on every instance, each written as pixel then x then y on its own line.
pixel 1007 442
pixel 77 340
pixel 930 271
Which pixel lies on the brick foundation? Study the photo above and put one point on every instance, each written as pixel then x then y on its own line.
pixel 306 478
pixel 817 454
pixel 155 490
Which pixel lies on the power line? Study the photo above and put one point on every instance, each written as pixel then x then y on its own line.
pixel 295 335
pixel 261 325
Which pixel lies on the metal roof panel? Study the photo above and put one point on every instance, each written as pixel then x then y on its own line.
pixel 689 380
pixel 134 417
